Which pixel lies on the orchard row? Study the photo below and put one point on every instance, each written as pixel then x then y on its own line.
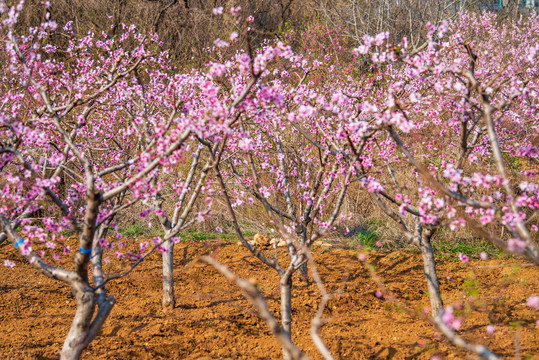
pixel 440 137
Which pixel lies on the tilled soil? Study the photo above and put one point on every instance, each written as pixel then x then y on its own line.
pixel 212 320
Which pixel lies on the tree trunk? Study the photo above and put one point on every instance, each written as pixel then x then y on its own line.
pixel 286 309
pixel 96 259
pixel 304 270
pixel 83 330
pixel 99 278
pixel 168 278
pixel 429 268
pixel 76 340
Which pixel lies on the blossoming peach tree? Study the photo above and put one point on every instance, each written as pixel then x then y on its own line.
pixel 267 160
pixel 220 94
pixel 86 131
pixel 458 116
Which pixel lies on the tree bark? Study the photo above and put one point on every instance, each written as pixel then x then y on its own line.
pixel 83 330
pixel 168 277
pixel 429 268
pixel 99 278
pixel 96 259
pixel 76 340
pixel 304 269
pixel 286 310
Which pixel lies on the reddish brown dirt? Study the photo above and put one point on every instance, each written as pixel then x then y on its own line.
pixel 213 321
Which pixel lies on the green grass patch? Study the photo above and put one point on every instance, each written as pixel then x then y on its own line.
pixel 197 235
pixel 133 230
pixel 442 248
pixel 471 286
pixel 139 230
pixel 367 237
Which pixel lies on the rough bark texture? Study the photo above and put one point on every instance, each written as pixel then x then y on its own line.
pixel 77 338
pixel 83 329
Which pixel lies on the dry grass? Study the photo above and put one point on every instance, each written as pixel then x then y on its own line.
pixel 186 27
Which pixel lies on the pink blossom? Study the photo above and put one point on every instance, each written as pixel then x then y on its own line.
pixel 374 186
pixel 516 245
pixel 381 37
pixel 486 219
pixel 217 69
pixel 235 11
pixel 456 324
pixel 9 263
pixel 450 320
pixel 200 217
pixel 68 26
pixel 439 203
pixel 533 301
pixel 220 43
pixel 265 192
pixel 402 209
pixel 430 219
pixel 362 49
pixel 246 144
pixel 448 316
pixel 460 222
pixel 306 111
pixel 217 10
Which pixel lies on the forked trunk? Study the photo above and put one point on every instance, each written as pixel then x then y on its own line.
pixel 77 338
pixel 429 268
pixel 286 309
pixel 168 277
pixel 83 329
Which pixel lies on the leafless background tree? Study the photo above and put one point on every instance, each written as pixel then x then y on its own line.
pixel 405 17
